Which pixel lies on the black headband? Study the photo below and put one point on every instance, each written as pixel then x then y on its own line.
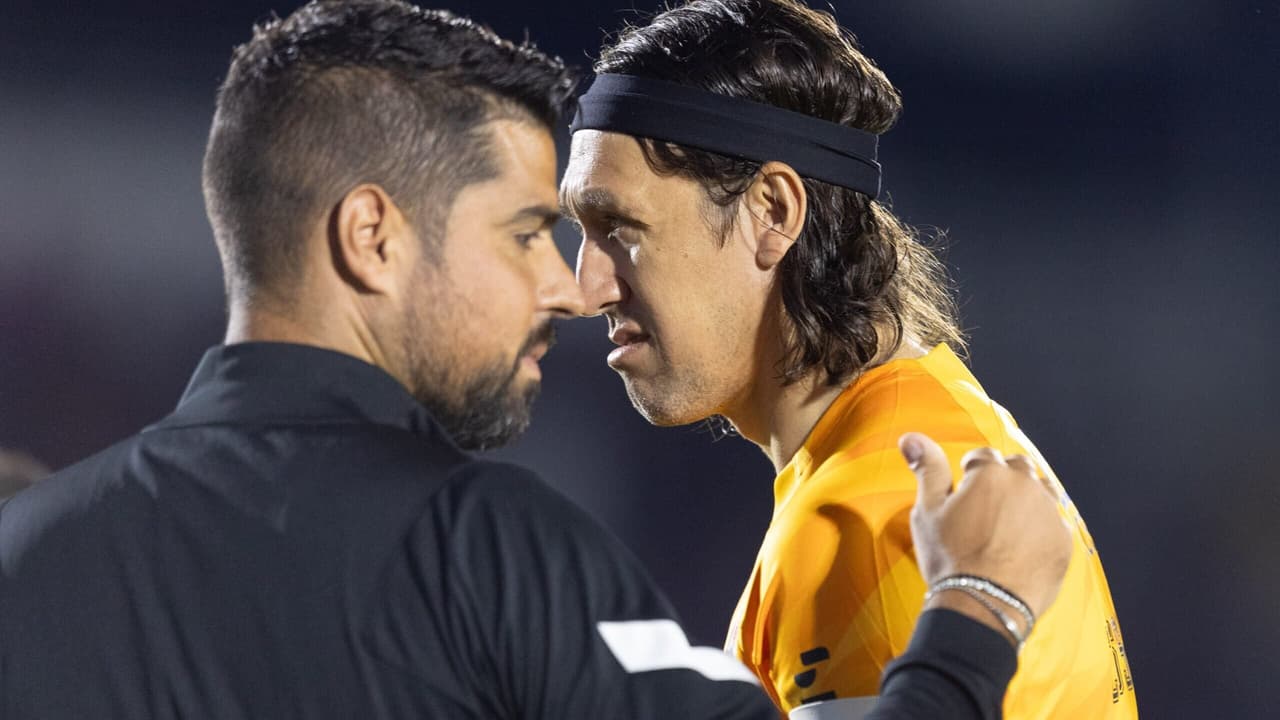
pixel 739 128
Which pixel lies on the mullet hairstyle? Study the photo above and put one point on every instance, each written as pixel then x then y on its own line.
pixel 345 92
pixel 856 270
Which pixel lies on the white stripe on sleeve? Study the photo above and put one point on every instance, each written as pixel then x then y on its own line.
pixel 644 645
pixel 841 709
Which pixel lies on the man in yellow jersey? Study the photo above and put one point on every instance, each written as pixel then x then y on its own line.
pixel 724 174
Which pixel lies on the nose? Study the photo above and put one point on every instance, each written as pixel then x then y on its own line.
pixel 598 278
pixel 559 293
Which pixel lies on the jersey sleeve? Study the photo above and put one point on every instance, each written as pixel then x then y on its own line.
pixel 845 595
pixel 567 621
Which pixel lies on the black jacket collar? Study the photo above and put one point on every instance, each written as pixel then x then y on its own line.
pixel 282 383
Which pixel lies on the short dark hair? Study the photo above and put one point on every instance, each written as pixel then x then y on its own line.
pixel 343 92
pixel 855 267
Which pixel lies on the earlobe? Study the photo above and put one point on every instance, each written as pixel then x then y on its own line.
pixel 771 249
pixel 781 209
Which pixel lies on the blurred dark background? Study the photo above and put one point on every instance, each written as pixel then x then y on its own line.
pixel 1106 173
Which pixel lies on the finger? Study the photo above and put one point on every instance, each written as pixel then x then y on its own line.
pixel 1022 464
pixel 1059 498
pixel 978 457
pixel 1050 487
pixel 929 463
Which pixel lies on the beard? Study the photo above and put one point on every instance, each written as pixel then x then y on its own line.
pixel 482 407
pixel 485 413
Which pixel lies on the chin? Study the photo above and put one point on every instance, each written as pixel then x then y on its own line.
pixel 665 408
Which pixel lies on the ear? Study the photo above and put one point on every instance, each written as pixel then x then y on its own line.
pixel 372 243
pixel 778 204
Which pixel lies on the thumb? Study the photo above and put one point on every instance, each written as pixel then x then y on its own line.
pixel 929 463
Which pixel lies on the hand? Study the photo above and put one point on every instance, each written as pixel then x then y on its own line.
pixel 1001 522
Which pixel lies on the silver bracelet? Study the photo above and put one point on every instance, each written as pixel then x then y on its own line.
pixel 975 587
pixel 1009 624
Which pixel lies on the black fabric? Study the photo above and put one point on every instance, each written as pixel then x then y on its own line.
pixel 730 126
pixel 300 540
pixel 955 667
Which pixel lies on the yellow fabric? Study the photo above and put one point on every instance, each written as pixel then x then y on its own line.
pixel 836 569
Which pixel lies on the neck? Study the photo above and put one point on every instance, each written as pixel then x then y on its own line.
pixel 778 418
pixel 268 322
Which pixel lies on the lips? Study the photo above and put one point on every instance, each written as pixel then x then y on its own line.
pixel 538 344
pixel 631 343
pixel 536 352
pixel 627 334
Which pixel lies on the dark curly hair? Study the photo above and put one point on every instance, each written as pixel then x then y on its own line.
pixel 857 278
pixel 343 92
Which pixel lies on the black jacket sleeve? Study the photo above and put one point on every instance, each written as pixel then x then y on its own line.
pixel 955 668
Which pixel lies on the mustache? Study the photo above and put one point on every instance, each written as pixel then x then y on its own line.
pixel 544 333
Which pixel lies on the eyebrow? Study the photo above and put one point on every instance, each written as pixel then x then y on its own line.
pixel 599 203
pixel 546 213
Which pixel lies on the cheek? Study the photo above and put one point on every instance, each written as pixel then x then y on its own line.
pixel 692 330
pixel 465 317
pixel 502 303
pixel 706 308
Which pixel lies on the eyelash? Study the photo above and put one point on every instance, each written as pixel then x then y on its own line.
pixel 615 231
pixel 526 239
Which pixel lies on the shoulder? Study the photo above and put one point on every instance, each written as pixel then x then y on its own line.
pixel 908 398
pixel 852 492
pixel 505 488
pixel 498 502
pixel 96 487
pixel 935 394
pixel 81 485
pixel 502 527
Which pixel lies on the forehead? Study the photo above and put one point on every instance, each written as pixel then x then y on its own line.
pixel 525 156
pixel 609 168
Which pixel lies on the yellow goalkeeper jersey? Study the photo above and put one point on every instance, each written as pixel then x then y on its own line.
pixel 835 591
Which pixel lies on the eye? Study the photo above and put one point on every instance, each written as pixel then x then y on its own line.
pixel 620 234
pixel 613 229
pixel 527 239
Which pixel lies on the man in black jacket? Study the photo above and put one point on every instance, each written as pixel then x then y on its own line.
pixel 304 536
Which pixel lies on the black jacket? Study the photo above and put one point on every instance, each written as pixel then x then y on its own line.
pixel 300 540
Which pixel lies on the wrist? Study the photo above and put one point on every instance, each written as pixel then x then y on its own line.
pixel 971 608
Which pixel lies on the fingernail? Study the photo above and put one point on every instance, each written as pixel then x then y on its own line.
pixel 913 451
